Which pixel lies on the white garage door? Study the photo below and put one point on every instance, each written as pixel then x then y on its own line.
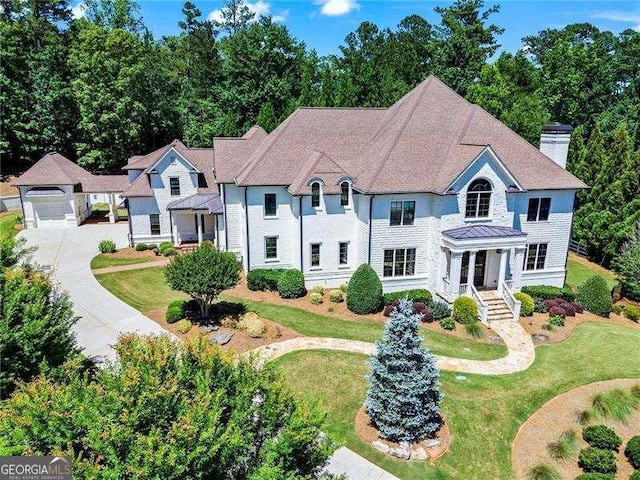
pixel 49 213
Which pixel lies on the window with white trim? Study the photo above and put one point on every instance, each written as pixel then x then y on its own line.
pixel 154 223
pixel 402 213
pixel 538 210
pixel 270 248
pixel 174 186
pixel 315 194
pixel 478 199
pixel 344 194
pixel 343 248
pixel 536 256
pixel 270 205
pixel 315 255
pixel 399 262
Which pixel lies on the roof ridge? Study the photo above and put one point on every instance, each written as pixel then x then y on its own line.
pixel 342 108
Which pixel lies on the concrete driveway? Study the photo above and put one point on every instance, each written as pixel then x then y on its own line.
pixel 102 315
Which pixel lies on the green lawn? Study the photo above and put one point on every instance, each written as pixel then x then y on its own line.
pixel 483 412
pixel 145 289
pixel 578 273
pixel 7 224
pixel 105 260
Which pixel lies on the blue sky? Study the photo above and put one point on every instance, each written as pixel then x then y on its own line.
pixel 323 24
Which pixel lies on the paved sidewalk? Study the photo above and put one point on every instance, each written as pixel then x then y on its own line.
pixel 133 266
pixel 103 316
pixel 355 467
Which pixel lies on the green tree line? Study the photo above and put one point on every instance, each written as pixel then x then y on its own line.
pixel 101 88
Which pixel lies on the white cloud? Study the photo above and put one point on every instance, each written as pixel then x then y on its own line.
pixel 259 8
pixel 336 8
pixel 78 11
pixel 617 16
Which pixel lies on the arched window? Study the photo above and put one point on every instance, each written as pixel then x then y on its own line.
pixel 478 199
pixel 344 195
pixel 315 194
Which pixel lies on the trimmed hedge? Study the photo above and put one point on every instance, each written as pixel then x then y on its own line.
pixel 169 252
pixel 465 310
pixel 364 293
pixel 181 304
pixel 291 284
pixel 594 294
pixel 547 292
pixel 593 459
pixel 632 452
pixel 601 436
pixel 164 245
pixel 416 295
pixel 141 247
pixel 174 314
pixel 596 476
pixel 526 309
pixel 263 279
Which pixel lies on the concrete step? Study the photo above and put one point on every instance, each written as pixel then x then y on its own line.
pixel 493 318
pixel 502 311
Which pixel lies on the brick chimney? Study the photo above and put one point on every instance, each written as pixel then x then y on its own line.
pixel 554 142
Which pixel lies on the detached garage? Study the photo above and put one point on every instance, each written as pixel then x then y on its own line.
pixel 56 192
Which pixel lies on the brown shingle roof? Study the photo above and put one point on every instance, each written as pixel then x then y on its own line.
pixel 231 153
pixel 421 143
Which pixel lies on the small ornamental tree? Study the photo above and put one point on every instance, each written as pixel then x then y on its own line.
pixel 364 293
pixel 203 273
pixel 403 401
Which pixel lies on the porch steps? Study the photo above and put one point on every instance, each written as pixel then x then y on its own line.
pixel 497 308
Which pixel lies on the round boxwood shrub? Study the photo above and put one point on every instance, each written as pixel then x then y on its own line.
pixel 465 310
pixel 141 247
pixel 318 289
pixel 601 436
pixel 593 459
pixel 263 279
pixel 174 314
pixel 526 307
pixel 364 293
pixel 594 294
pixel 107 246
pixel 596 476
pixel 291 284
pixel 315 298
pixel 336 296
pixel 632 452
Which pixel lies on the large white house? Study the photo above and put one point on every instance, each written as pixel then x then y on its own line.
pixel 432 192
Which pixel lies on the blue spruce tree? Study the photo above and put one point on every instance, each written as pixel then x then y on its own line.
pixel 403 401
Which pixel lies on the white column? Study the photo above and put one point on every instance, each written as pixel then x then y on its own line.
pixel 112 216
pixel 454 273
pixel 471 269
pixel 199 227
pixel 517 268
pixel 174 229
pixel 503 268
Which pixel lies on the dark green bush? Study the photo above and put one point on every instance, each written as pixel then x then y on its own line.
pixel 169 252
pixel 174 314
pixel 263 279
pixel 440 310
pixel 527 304
pixel 547 292
pixel 417 295
pixel 601 436
pixel 596 476
pixel 107 246
pixel 635 475
pixel 151 246
pixel 364 293
pixel 465 310
pixel 447 323
pixel 291 284
pixel 632 452
pixel 164 245
pixel 593 459
pixel 141 247
pixel 181 304
pixel 594 295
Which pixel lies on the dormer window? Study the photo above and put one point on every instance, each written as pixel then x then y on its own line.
pixel 478 199
pixel 315 194
pixel 344 194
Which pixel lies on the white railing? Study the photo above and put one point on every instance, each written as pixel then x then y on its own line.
pixel 463 288
pixel 509 284
pixel 484 309
pixel 511 301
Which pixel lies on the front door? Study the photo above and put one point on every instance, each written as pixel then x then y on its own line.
pixel 479 270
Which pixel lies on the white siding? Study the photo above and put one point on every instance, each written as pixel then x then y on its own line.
pixel 29 204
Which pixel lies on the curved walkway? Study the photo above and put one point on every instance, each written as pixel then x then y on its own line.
pixel 521 351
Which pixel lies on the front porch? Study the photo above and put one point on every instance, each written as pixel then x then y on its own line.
pixel 482 258
pixel 194 219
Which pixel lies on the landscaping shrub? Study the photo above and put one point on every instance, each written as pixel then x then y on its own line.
pixel 141 247
pixel 632 452
pixel 318 289
pixel 263 279
pixel 174 314
pixel 526 309
pixel 336 296
pixel 617 309
pixel 569 309
pixel 183 326
pixel 291 284
pixel 547 292
pixel 151 246
pixel 364 294
pixel 635 475
pixel 416 295
pixel 418 307
pixel 427 316
pixel 617 403
pixel 254 325
pixel 474 330
pixel 556 321
pixel 387 310
pixel 538 306
pixel 315 298
pixel 592 459
pixel 156 250
pixel 565 446
pixel 447 323
pixel 557 311
pixel 169 252
pixel 181 304
pixel 107 246
pixel 596 476
pixel 465 310
pixel 632 313
pixel 440 309
pixel 163 246
pixel 601 436
pixel 594 294
pixel 577 306
pixel 543 472
pixel 550 303
pixel 344 287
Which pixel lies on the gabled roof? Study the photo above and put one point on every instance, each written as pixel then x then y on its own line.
pixel 55 169
pixel 320 167
pixel 421 143
pixel 231 153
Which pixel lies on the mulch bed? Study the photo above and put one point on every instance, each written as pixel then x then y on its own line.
pixel 369 434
